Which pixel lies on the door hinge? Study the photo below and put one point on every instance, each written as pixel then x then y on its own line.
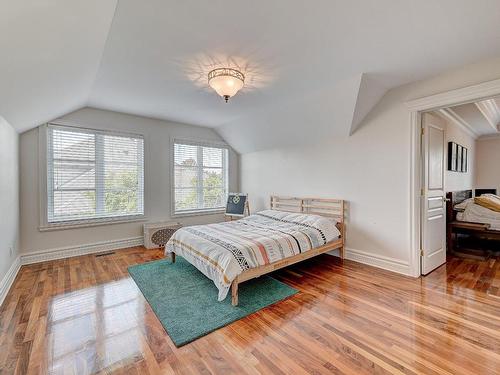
pixel 422 131
pixel 422 192
pixel 421 253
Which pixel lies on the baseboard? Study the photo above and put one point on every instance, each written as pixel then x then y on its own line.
pixel 9 278
pixel 60 253
pixel 74 251
pixel 380 261
pixel 371 259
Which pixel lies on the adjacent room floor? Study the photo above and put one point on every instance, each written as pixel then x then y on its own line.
pixel 85 315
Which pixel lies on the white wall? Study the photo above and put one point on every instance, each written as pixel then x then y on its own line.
pixel 460 180
pixel 370 169
pixel 157 135
pixel 488 163
pixel 9 196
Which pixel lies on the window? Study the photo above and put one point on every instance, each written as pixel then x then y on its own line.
pixel 93 175
pixel 200 177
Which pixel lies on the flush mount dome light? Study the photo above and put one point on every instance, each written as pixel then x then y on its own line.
pixel 226 81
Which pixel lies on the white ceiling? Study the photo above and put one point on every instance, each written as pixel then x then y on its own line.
pixel 50 52
pixel 481 118
pixel 151 57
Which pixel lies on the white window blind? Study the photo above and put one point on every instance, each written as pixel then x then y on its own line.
pixel 93 175
pixel 200 177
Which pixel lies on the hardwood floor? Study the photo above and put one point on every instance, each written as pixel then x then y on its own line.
pixel 85 315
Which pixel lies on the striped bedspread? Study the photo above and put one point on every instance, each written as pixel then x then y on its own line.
pixel 222 251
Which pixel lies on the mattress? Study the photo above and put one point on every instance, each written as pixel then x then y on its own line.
pixel 222 251
pixel 478 214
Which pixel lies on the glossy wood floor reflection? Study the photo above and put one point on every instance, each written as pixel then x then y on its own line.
pixel 85 315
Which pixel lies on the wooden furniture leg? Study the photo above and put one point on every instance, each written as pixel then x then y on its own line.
pixel 234 293
pixel 173 257
pixel 342 233
pixel 452 241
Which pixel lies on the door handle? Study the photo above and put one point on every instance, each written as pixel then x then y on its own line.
pixel 446 199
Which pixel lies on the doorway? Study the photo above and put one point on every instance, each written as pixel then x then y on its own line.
pixel 435 237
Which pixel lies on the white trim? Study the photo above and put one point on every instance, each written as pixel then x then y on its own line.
pixel 488 137
pixel 207 211
pixel 9 278
pixel 451 115
pixel 386 263
pixel 74 251
pixel 450 98
pixel 203 143
pixel 42 175
pixel 61 253
pixel 91 223
pixel 489 109
pixel 43 190
pixel 415 169
pixel 199 142
pixel 67 125
pixel 455 97
pixel 375 260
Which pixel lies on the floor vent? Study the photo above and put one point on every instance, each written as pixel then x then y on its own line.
pixel 105 254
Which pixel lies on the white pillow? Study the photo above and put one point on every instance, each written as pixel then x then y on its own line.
pixel 326 225
pixel 463 205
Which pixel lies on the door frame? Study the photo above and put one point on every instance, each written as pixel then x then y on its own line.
pixel 416 107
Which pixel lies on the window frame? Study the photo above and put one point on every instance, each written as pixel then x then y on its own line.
pixel 43 156
pixel 202 143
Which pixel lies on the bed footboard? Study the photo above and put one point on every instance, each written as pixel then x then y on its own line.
pixel 263 270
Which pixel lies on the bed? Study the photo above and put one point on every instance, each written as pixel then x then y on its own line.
pixel 466 217
pixel 465 210
pixel 229 253
pixel 475 213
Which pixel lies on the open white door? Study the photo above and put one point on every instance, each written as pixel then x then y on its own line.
pixel 433 193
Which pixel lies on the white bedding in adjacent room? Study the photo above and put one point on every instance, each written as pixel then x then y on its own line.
pixel 478 214
pixel 223 251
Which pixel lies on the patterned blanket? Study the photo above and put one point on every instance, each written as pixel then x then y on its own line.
pixel 222 251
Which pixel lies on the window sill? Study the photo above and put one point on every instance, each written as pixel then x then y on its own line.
pixel 199 212
pixel 90 223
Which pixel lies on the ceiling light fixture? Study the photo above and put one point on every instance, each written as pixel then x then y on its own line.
pixel 226 81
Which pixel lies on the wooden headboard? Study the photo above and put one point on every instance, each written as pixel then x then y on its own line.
pixel 453 198
pixel 479 192
pixel 333 208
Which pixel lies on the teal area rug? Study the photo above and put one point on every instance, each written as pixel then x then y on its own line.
pixel 185 300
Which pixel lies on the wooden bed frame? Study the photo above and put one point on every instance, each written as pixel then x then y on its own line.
pixel 330 208
pixel 454 226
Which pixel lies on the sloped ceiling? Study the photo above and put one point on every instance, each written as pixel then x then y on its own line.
pixel 302 119
pixel 313 67
pixel 369 94
pixel 333 111
pixel 50 54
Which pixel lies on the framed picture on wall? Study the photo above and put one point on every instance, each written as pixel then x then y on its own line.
pixel 459 158
pixel 452 156
pixel 455 158
pixel 464 159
